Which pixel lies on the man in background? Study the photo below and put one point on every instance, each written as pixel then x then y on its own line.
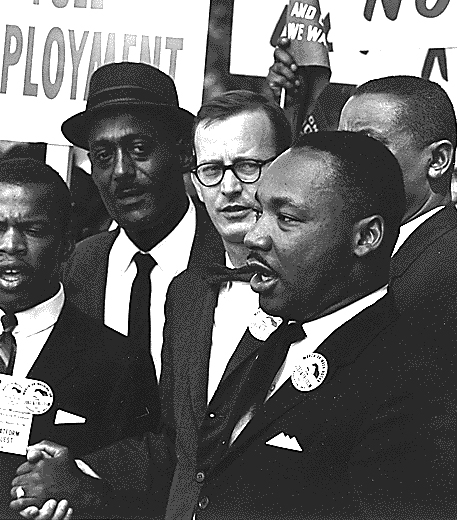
pixel 415 119
pixel 138 139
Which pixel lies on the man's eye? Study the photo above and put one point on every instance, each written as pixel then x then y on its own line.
pixel 36 231
pixel 102 155
pixel 141 148
pixel 287 219
pixel 209 170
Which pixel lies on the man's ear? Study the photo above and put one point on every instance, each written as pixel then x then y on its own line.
pixel 197 186
pixel 368 235
pixel 441 155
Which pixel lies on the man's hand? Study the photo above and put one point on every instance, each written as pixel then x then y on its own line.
pixel 52 510
pixel 51 473
pixel 282 73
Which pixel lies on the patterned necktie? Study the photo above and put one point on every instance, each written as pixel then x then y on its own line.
pixel 8 345
pixel 140 302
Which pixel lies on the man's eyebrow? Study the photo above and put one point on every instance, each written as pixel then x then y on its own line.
pixel 284 201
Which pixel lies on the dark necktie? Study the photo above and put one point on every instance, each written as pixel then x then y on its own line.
pixel 140 302
pixel 251 398
pixel 8 344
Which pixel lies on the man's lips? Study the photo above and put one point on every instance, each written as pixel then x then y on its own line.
pixel 128 195
pixel 13 275
pixel 264 277
pixel 235 210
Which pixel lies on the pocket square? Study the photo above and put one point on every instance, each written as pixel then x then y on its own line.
pixel 283 440
pixel 63 417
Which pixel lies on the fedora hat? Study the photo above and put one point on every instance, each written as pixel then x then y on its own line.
pixel 128 84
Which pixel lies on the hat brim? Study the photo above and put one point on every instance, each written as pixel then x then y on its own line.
pixel 76 128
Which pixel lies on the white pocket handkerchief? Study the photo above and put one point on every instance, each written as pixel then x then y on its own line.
pixel 63 417
pixel 283 440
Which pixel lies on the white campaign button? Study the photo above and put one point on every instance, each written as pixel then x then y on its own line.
pixel 310 373
pixel 25 395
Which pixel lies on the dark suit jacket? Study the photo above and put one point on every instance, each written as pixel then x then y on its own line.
pixel 93 374
pixel 362 456
pixel 86 271
pixel 422 274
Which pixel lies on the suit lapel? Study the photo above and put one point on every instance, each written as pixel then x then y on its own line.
pixel 85 275
pixel 207 247
pixel 61 354
pixel 201 313
pixel 246 347
pixel 422 238
pixel 340 349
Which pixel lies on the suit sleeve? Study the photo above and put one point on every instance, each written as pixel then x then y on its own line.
pixel 139 471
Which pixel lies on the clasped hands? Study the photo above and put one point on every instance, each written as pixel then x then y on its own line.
pixel 51 482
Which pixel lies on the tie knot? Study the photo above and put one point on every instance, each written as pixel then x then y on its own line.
pixel 144 263
pixel 294 332
pixel 9 321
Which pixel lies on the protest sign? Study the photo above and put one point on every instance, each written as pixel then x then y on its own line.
pixel 50 48
pixel 356 25
pixel 401 37
pixel 304 27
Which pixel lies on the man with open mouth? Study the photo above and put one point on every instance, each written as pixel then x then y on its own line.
pixel 361 436
pixel 415 119
pixel 45 338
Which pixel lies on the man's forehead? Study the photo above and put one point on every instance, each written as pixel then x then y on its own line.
pixel 112 124
pixel 298 175
pixel 36 198
pixel 251 126
pixel 380 110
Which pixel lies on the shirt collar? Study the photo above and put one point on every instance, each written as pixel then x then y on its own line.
pixel 171 254
pixel 321 328
pixel 407 229
pixel 41 317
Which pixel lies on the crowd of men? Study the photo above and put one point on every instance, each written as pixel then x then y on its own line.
pixel 280 346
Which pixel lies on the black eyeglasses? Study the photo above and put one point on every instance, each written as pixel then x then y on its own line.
pixel 245 170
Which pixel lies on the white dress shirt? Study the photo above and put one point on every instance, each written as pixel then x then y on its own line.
pixel 317 331
pixel 236 305
pixel 407 229
pixel 172 256
pixel 33 329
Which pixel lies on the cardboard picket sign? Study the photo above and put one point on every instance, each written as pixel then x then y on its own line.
pixel 304 27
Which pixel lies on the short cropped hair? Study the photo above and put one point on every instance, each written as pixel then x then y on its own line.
pixel 425 107
pixel 368 175
pixel 25 171
pixel 236 102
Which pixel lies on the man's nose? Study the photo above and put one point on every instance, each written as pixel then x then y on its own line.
pixel 230 185
pixel 12 242
pixel 258 237
pixel 123 163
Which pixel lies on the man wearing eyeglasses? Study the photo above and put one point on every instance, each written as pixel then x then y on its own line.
pixel 206 338
pixel 236 135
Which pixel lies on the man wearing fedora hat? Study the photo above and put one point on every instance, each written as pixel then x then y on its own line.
pixel 138 138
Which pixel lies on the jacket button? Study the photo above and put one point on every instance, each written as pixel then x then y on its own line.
pixel 200 477
pixel 203 503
